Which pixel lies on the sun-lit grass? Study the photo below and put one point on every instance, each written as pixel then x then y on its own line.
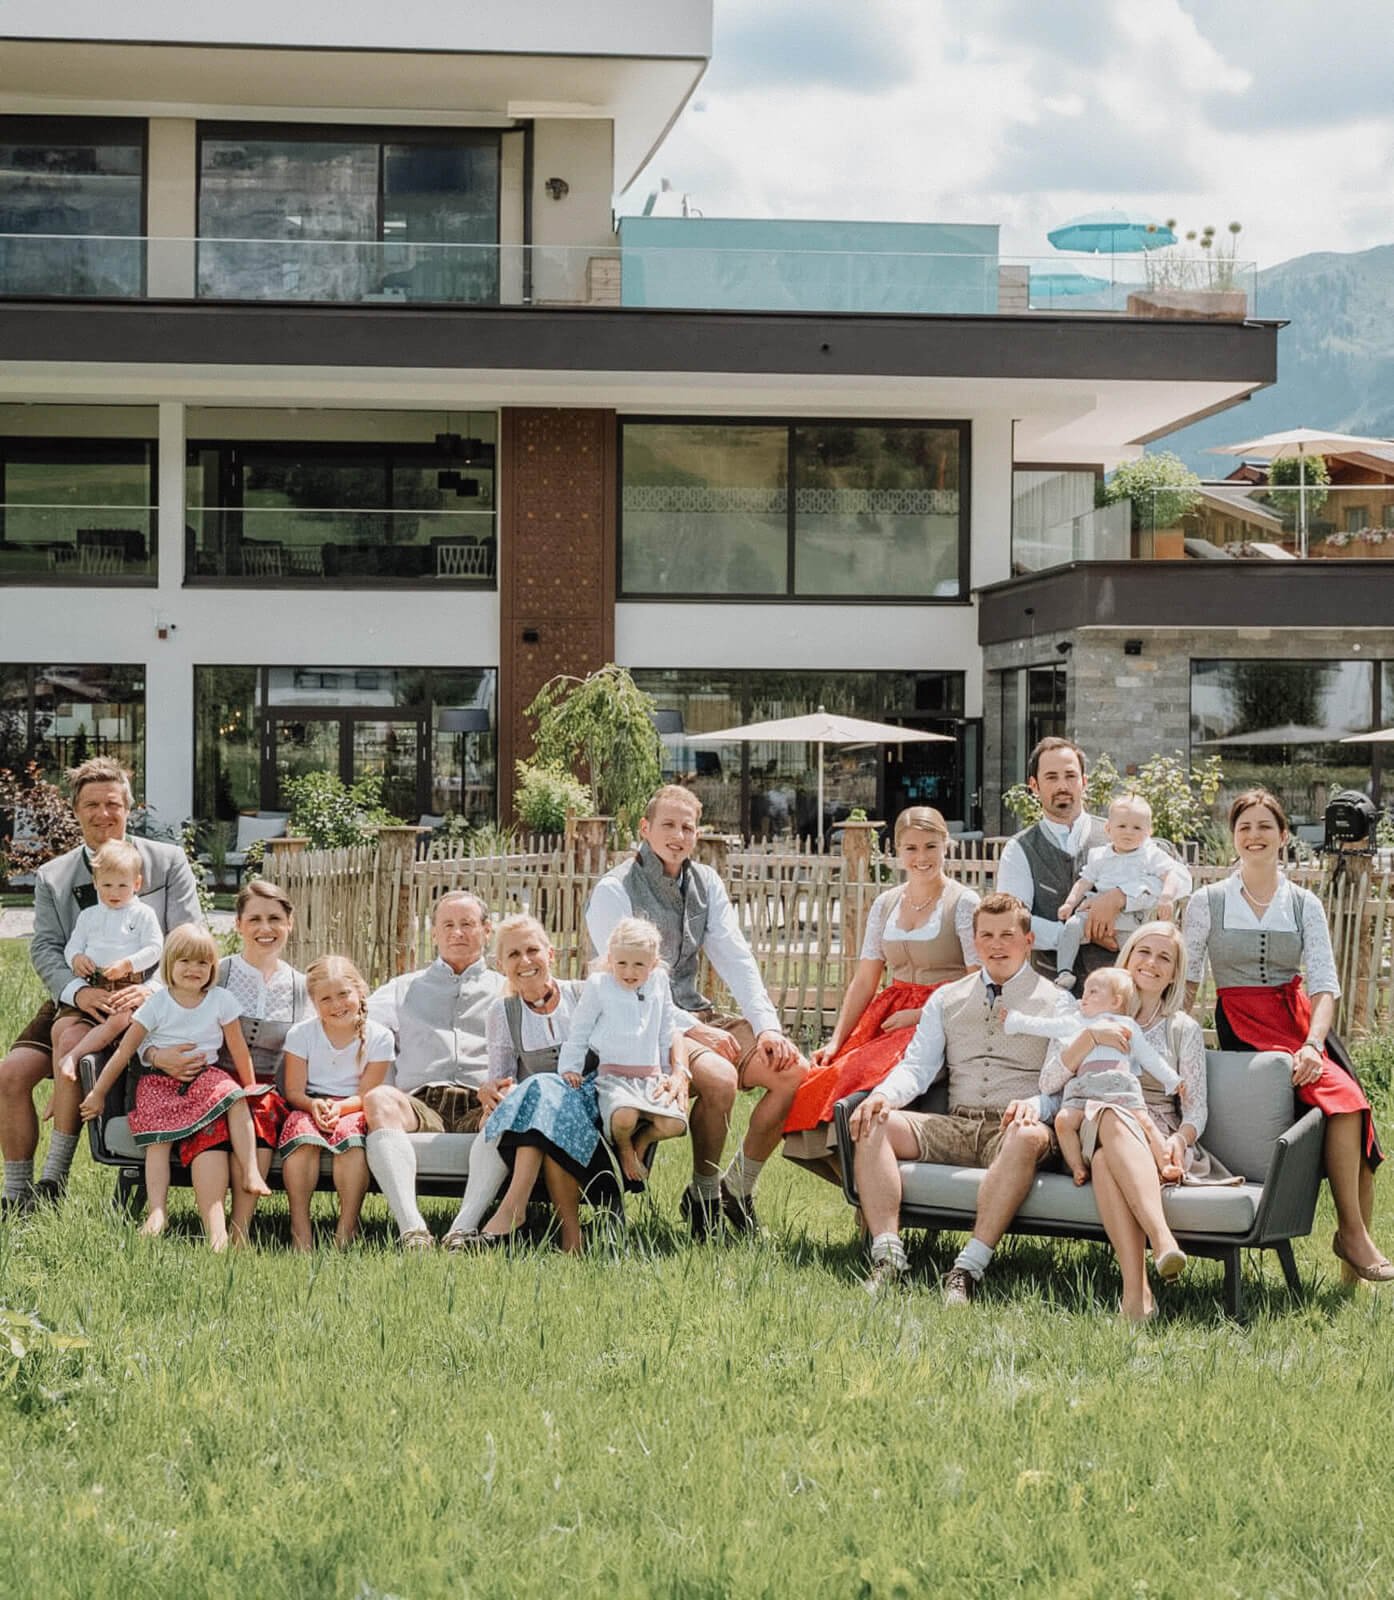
pixel 664 1420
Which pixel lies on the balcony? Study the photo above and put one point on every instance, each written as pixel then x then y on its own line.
pixel 292 547
pixel 77 544
pixel 389 272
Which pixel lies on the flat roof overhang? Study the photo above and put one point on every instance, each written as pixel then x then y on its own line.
pixel 1080 389
pixel 1188 594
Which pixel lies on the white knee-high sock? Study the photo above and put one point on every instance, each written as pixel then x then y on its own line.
pixel 392 1162
pixel 487 1171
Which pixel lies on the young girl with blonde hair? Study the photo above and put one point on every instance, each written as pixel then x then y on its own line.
pixel 627 1016
pixel 172 1106
pixel 332 1060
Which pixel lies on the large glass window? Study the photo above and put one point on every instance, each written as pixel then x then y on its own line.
pixel 269 512
pixel 320 214
pixel 1279 723
pixel 74 510
pixel 60 717
pixel 771 790
pixel 72 207
pixel 424 732
pixel 876 510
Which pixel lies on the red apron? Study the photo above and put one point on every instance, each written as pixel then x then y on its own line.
pixel 1264 1018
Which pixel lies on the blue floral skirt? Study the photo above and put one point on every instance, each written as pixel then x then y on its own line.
pixel 545 1111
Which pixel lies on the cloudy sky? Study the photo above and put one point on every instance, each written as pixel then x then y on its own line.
pixel 1278 115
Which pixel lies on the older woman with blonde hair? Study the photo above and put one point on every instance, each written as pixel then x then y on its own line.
pixel 922 932
pixel 1127 1188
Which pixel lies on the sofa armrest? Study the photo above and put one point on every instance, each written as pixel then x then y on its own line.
pixel 89 1068
pixel 842 1112
pixel 1289 1201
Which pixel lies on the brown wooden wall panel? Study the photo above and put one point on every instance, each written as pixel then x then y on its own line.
pixel 557 555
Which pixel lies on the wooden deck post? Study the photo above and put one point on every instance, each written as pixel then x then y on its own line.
pixel 858 891
pixel 396 853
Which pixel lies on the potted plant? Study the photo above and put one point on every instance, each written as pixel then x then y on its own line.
pixel 1208 287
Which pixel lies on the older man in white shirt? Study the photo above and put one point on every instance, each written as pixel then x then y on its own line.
pixel 693 913
pixel 437 1015
pixel 1040 865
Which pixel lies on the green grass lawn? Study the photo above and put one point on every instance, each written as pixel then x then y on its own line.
pixel 664 1420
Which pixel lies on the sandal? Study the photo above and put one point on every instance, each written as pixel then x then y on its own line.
pixel 459 1239
pixel 418 1239
pixel 1171 1264
pixel 1380 1272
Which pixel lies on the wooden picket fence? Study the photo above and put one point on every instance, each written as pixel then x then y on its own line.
pixel 802 912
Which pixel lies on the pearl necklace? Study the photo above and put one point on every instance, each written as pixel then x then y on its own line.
pixel 1253 899
pixel 922 905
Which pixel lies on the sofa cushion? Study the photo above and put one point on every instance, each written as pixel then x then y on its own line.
pixel 1054 1198
pixel 1251 1103
pixel 438 1155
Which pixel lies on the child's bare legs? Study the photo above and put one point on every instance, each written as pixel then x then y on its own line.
pixel 1067 1126
pixel 156 1189
pixel 351 1184
pixel 565 1194
pixel 622 1125
pixel 300 1174
pixel 513 1208
pixel 244 1201
pixel 210 1178
pixel 244 1147
pixel 74 1039
pixel 1067 951
pixel 654 1130
pixel 1167 1169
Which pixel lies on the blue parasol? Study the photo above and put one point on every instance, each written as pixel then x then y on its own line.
pixel 1061 285
pixel 1112 233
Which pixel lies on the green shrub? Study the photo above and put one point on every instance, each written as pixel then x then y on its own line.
pixel 1161 487
pixel 545 794
pixel 331 814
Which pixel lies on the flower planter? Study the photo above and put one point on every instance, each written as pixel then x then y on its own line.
pixel 1190 305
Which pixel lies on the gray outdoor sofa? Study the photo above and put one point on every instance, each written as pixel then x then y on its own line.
pixel 1255 1127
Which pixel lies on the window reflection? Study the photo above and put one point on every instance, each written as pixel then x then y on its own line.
pixel 62 716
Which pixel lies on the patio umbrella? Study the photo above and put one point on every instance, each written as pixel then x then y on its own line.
pixel 1064 285
pixel 1302 442
pixel 819 727
pixel 1284 733
pixel 1379 736
pixel 1113 233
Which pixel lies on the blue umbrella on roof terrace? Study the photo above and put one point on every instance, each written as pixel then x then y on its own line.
pixel 1064 285
pixel 1112 233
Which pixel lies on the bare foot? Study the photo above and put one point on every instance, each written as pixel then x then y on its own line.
pixel 238 1239
pixel 154 1225
pixel 1080 1175
pixel 632 1167
pixel 303 1242
pixel 343 1240
pixel 1170 1173
pixel 254 1183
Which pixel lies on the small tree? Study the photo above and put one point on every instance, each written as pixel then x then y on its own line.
pixel 1162 489
pixel 1296 470
pixel 545 794
pixel 37 817
pixel 602 727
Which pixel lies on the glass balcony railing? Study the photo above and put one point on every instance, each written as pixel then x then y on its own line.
pixel 42 544
pixel 392 272
pixel 292 545
pixel 1055 522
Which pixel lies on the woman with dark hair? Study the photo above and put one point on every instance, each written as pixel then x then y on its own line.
pixel 1261 933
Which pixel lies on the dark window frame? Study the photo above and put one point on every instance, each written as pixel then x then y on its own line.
pixel 962 426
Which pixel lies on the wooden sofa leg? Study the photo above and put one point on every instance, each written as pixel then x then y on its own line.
pixel 1288 1262
pixel 129 1194
pixel 1234 1286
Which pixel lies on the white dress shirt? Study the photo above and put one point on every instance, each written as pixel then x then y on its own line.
pixel 109 934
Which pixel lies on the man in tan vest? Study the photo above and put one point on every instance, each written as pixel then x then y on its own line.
pixel 997 1116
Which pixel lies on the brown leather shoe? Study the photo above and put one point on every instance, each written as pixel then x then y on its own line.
pixel 890 1272
pixel 959 1287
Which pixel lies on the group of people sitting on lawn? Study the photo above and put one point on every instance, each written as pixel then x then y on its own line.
pixel 565 1082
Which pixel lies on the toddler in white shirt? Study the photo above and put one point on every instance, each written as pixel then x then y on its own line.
pixel 1132 861
pixel 627 1016
pixel 1106 1077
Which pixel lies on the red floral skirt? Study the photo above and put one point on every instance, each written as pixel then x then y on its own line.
pixel 866 1057
pixel 269 1111
pixel 1279 1018
pixel 348 1133
pixel 167 1111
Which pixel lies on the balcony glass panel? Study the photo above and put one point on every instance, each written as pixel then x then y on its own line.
pixel 71 208
pixel 60 716
pixel 272 544
pixel 76 511
pixel 876 511
pixel 705 508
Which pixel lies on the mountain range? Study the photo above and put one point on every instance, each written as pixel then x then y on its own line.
pixel 1335 358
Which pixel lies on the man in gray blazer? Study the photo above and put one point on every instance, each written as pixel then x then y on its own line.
pixel 102 802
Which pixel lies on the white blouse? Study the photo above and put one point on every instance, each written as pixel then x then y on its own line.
pixel 625 1027
pixel 536 1031
pixel 266 999
pixel 1189 1062
pixel 1280 916
pixel 335 1070
pixel 879 924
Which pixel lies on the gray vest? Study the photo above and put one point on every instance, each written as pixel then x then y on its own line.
pixel 987 1067
pixel 677 907
pixel 266 1040
pixel 1252 958
pixel 440 1025
pixel 1053 874
pixel 545 1057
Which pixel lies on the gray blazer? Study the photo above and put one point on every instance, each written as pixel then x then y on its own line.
pixel 167 887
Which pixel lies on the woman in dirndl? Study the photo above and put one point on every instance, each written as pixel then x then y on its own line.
pixel 1261 933
pixel 540 1124
pixel 921 931
pixel 272 997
